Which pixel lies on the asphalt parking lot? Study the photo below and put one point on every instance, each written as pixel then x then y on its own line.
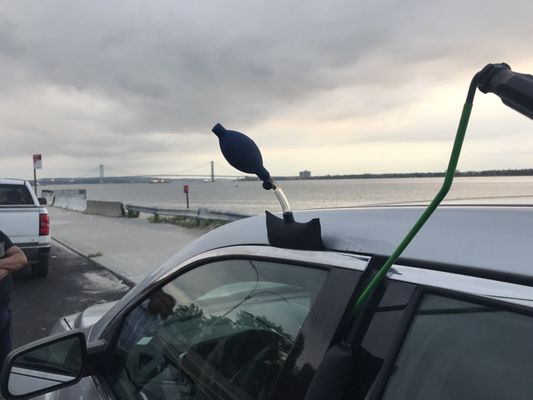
pixel 73 283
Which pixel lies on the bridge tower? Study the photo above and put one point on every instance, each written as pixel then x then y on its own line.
pixel 101 173
pixel 212 171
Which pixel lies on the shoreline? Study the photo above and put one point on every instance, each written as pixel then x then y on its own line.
pixel 368 175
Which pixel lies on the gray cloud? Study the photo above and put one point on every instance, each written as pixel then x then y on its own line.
pixel 176 68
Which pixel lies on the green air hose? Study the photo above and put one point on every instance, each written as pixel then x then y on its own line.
pixel 448 179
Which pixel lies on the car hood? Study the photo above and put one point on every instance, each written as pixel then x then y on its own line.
pixel 82 320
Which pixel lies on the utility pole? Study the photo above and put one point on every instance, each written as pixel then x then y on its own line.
pixel 186 191
pixel 37 164
pixel 212 171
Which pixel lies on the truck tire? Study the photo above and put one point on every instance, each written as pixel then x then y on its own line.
pixel 40 270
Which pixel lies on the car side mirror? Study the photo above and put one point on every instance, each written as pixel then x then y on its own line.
pixel 44 366
pixel 42 201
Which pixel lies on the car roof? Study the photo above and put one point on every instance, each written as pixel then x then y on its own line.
pixel 8 181
pixel 489 238
pixel 473 240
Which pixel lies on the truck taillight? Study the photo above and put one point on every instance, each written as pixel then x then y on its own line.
pixel 44 225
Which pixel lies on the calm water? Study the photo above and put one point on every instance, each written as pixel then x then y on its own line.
pixel 250 197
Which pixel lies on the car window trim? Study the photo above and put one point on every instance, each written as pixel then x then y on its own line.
pixel 493 274
pixel 318 258
pixel 313 259
pixel 483 287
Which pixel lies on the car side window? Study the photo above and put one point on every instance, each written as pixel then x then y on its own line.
pixel 459 349
pixel 221 330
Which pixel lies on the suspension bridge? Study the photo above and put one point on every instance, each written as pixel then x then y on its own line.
pixel 204 171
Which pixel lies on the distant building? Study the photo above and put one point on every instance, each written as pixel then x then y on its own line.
pixel 305 174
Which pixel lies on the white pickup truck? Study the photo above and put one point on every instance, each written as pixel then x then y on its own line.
pixel 25 220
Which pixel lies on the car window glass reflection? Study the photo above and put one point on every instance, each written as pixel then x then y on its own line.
pixel 222 330
pixel 461 350
pixel 45 367
pixel 145 319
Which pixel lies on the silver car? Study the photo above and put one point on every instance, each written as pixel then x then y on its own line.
pixel 233 317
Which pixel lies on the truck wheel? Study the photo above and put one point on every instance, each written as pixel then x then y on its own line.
pixel 40 270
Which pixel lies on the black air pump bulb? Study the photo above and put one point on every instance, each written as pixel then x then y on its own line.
pixel 243 154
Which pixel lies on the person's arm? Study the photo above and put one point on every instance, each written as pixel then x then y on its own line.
pixel 14 260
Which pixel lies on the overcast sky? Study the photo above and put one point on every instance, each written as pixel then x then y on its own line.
pixel 334 86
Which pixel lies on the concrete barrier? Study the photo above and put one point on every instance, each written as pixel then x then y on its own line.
pixel 76 200
pixel 70 203
pixel 105 208
pixel 81 193
pixel 71 199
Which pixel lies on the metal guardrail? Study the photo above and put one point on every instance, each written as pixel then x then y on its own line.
pixel 200 213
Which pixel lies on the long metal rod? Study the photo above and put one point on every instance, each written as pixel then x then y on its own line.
pixel 448 179
pixel 280 195
pixel 35 181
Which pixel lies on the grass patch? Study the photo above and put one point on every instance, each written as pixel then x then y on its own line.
pixel 188 222
pixel 156 219
pixel 133 214
pixel 97 254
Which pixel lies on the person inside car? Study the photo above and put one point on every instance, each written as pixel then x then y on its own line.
pixel 145 319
